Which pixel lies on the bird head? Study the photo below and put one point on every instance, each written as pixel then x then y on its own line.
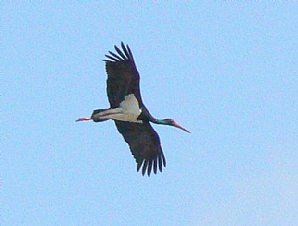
pixel 172 122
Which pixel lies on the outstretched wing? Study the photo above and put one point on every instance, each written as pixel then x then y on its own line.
pixel 123 77
pixel 144 144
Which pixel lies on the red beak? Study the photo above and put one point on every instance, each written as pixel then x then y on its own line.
pixel 180 127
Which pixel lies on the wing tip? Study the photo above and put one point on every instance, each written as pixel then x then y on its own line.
pixel 123 55
pixel 152 165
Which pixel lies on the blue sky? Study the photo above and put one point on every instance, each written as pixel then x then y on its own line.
pixel 226 70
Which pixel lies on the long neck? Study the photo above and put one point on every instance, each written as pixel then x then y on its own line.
pixel 146 114
pixel 159 121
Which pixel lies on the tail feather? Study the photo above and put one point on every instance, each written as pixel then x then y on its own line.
pixel 95 112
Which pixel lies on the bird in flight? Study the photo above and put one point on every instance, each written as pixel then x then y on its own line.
pixel 129 113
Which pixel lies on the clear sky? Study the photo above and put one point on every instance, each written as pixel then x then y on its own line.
pixel 226 70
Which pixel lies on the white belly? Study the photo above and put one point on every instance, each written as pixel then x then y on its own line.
pixel 128 111
pixel 126 117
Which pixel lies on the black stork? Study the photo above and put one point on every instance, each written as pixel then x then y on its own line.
pixel 129 112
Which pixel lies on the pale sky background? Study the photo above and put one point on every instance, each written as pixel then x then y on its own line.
pixel 226 70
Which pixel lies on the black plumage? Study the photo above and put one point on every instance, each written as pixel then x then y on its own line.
pixel 129 113
pixel 143 140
